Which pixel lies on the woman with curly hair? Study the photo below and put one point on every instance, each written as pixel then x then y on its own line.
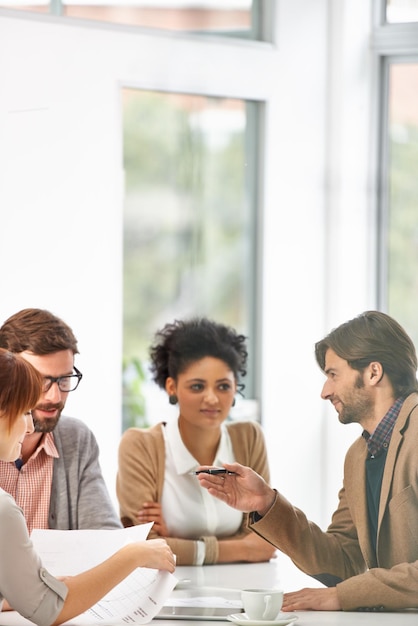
pixel 199 363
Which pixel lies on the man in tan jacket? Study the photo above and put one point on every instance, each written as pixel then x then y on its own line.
pixel 368 556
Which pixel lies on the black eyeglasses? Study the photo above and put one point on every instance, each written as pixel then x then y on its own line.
pixel 65 383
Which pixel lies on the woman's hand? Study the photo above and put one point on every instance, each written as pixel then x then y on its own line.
pixel 247 549
pixel 244 489
pixel 156 554
pixel 257 549
pixel 152 512
pixel 89 587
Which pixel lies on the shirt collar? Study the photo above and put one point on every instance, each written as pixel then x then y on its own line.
pixel 47 444
pixel 380 438
pixel 185 462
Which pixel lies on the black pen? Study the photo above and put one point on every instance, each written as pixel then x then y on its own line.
pixel 214 471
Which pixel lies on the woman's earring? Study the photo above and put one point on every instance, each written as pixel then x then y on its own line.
pixel 172 398
pixel 233 402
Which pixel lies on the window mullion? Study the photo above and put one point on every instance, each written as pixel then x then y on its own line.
pixel 395 39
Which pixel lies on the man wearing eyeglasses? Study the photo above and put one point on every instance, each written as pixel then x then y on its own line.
pixel 57 481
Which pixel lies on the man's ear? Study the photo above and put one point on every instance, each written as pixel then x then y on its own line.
pixel 376 372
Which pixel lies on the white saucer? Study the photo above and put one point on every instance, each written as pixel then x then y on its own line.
pixel 243 620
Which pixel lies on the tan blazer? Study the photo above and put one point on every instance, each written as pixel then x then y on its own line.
pixel 141 478
pixel 388 581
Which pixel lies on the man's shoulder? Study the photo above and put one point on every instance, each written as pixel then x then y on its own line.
pixel 409 406
pixel 407 422
pixel 70 429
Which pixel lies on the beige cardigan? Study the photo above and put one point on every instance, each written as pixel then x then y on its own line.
pixel 388 581
pixel 141 477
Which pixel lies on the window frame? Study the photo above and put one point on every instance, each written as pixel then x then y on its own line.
pixel 391 43
pixel 255 113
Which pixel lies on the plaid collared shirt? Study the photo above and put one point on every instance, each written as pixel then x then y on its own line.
pixel 30 486
pixel 380 438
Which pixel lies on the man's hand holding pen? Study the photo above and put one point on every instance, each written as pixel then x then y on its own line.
pixel 238 486
pixel 215 471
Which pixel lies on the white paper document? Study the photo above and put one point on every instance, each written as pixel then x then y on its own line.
pixel 69 552
pixel 136 600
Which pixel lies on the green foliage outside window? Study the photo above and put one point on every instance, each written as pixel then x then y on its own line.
pixel 134 408
pixel 188 215
pixel 403 230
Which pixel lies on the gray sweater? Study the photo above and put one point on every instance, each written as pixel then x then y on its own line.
pixel 79 497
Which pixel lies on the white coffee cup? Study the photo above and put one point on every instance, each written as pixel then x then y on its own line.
pixel 262 604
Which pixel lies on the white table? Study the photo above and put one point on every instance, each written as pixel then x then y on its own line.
pixel 279 573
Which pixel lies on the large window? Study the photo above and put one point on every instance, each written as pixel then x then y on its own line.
pixel 189 221
pixel 402 216
pixel 397 44
pixel 190 163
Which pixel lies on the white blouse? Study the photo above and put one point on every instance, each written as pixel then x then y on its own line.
pixel 189 511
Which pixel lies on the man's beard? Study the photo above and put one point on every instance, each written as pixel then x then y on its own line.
pixel 357 405
pixel 46 424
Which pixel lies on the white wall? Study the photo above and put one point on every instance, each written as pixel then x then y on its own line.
pixel 61 202
pixel 319 242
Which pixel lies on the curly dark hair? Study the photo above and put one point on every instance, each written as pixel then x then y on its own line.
pixel 183 342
